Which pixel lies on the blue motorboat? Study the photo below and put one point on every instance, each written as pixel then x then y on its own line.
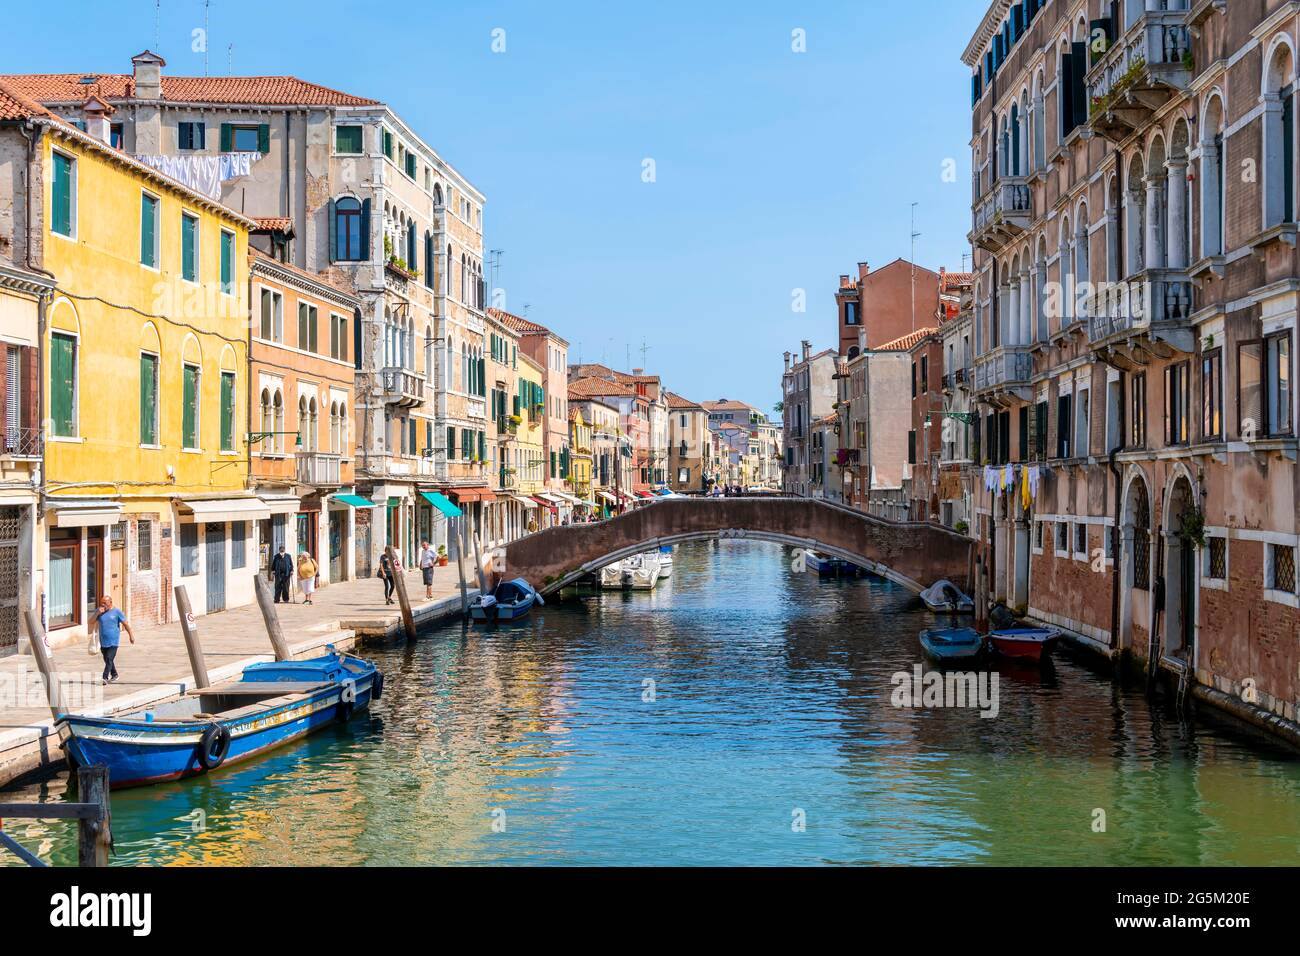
pixel 210 727
pixel 950 645
pixel 510 601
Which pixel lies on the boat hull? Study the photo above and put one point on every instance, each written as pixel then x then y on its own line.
pixel 952 645
pixel 1027 644
pixel 139 752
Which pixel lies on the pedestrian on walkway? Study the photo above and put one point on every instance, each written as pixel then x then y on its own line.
pixel 428 561
pixel 282 571
pixel 306 576
pixel 109 623
pixel 386 575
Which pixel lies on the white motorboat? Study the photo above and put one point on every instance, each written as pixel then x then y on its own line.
pixel 665 557
pixel 611 575
pixel 945 597
pixel 641 571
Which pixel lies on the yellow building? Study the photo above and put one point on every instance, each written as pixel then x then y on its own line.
pixel 146 360
pixel 580 458
pixel 527 455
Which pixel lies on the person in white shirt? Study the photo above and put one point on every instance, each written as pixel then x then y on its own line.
pixel 428 560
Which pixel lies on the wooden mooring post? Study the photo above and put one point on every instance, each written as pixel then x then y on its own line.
pixel 266 602
pixel 44 663
pixel 198 664
pixel 92 813
pixel 458 536
pixel 399 579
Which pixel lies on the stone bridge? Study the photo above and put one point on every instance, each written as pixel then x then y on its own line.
pixel 913 554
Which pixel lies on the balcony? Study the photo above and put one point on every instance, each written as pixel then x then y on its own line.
pixel 1003 375
pixel 1139 73
pixel 1002 214
pixel 402 387
pixel 17 441
pixel 507 428
pixel 320 470
pixel 952 379
pixel 1148 315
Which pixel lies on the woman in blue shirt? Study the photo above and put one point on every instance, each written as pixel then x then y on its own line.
pixel 110 622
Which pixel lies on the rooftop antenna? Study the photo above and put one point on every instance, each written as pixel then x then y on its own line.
pixel 915 234
pixel 157 14
pixel 527 306
pixel 644 348
pixel 494 264
pixel 965 258
pixel 206 5
pixel 230 59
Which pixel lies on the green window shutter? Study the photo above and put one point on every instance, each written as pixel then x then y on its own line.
pixel 201 135
pixel 63 375
pixel 189 229
pixel 482 446
pixel 516 405
pixel 334 232
pixel 148 403
pixel 148 228
pixel 185 135
pixel 227 263
pixel 227 137
pixel 263 138
pixel 62 212
pixel 451 443
pixel 365 230
pixel 227 411
pixel 189 407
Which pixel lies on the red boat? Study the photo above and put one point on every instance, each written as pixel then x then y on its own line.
pixel 1026 644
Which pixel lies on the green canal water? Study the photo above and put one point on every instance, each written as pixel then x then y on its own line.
pixel 740 714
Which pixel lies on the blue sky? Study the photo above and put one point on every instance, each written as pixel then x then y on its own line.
pixel 774 170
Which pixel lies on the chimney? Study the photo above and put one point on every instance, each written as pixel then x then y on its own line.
pixel 863 269
pixel 638 371
pixel 787 361
pixel 862 338
pixel 147 72
pixel 844 282
pixel 95 113
pixel 807 349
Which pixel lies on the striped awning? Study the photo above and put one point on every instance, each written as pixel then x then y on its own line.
pixel 607 496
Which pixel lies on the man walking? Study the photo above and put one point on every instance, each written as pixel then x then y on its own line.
pixel 282 570
pixel 110 622
pixel 428 560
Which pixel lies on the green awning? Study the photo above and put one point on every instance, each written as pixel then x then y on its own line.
pixel 394 503
pixel 442 503
pixel 355 501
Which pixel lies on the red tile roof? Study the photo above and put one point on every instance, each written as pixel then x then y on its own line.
pixel 676 401
pixel 275 223
pixel 253 90
pixel 905 342
pixel 16 106
pixel 593 387
pixel 518 323
pixel 728 405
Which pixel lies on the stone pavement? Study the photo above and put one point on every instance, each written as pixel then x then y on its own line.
pixel 156 667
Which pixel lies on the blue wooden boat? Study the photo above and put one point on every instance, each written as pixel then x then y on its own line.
pixel 210 727
pixel 949 645
pixel 510 601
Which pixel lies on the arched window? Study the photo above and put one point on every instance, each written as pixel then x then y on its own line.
pixel 1213 179
pixel 343 429
pixel 349 230
pixel 304 432
pixel 277 404
pixel 335 447
pixel 313 427
pixel 1278 97
pixel 268 422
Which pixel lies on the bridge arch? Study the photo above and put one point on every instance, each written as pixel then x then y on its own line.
pixel 914 554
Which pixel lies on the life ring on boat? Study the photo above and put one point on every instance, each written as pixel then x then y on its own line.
pixel 213 746
pixel 377 686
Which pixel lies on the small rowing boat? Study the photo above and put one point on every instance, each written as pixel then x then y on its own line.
pixel 1027 644
pixel 951 645
pixel 945 597
pixel 210 727
pixel 510 601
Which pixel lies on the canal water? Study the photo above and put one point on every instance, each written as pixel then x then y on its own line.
pixel 740 714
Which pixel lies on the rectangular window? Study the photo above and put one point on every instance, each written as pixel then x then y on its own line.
pixel 149 230
pixel 1083 422
pixel 1281 567
pixel 911 447
pixel 189 247
pixel 227 262
pixel 227 411
pixel 306 327
pixel 348 139
pixel 1063 426
pixel 1062 536
pixel 1216 557
pixel 1141 559
pixel 411 169
pixel 189 550
pixel 246 139
pixel 63 214
pixel 1277 356
pixel 148 399
pixel 925 374
pixel 1080 539
pixel 1138 410
pixel 191 136
pixel 1176 400
pixel 144 545
pixel 63 385
pixel 388 144
pixel 914 380
pixel 1038 535
pixel 1212 395
pixel 272 316
pixel 238 544
pixel 190 406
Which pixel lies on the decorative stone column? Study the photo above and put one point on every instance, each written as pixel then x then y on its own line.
pixel 1177 192
pixel 1155 257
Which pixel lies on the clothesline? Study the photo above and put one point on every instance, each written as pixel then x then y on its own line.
pixel 203 174
pixel 999 479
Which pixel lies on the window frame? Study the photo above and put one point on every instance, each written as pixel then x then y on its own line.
pixel 198 405
pixel 144 544
pixel 146 197
pixel 226 442
pixel 55 156
pixel 361 134
pixel 1271 404
pixel 157 399
pixel 197 251
pixel 1212 395
pixel 74 400
pixel 226 249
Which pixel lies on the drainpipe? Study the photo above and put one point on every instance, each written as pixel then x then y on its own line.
pixel 1115 576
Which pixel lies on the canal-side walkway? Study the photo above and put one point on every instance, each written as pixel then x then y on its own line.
pixel 156 667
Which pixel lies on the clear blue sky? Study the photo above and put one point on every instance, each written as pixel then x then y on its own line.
pixel 774 170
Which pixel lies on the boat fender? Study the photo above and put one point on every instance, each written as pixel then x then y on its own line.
pixel 538 598
pixel 377 686
pixel 213 746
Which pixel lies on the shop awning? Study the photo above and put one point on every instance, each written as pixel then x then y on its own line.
pixel 463 495
pixel 551 498
pixel 527 502
pixel 442 503
pixel 571 499
pixel 354 501
pixel 549 506
pixel 608 497
pixel 282 504
pixel 221 510
pixel 645 494
pixel 85 512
